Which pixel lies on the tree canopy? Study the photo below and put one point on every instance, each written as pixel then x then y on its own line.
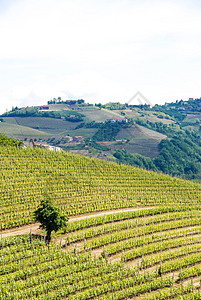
pixel 50 217
pixel 6 141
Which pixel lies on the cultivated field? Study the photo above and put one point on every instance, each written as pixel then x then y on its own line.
pixel 141 140
pixel 101 115
pixel 48 125
pixel 44 128
pixel 132 234
pixel 13 129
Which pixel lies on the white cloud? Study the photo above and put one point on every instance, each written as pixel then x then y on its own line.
pixel 99 49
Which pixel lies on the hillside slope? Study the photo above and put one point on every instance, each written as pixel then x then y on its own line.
pixel 80 184
pixel 141 140
pixel 17 131
pixel 53 122
pixel 168 134
pixel 150 252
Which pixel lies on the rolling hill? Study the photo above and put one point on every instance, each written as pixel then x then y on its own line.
pixel 132 233
pixel 140 140
pixel 18 131
pixel 104 131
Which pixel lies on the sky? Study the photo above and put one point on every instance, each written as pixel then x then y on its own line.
pixel 99 50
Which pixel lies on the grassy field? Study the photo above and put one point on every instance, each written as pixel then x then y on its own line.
pixel 43 127
pixel 101 115
pixel 20 132
pixel 132 234
pixel 50 125
pixel 85 132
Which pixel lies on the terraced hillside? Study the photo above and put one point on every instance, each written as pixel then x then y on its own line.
pixel 147 254
pixel 149 250
pixel 80 185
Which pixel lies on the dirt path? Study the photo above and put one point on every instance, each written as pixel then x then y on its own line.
pixel 34 228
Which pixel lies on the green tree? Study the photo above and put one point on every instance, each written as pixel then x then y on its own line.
pixel 6 141
pixel 50 217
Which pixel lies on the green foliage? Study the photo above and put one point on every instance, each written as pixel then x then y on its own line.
pixel 49 217
pixel 135 159
pixel 107 132
pixel 167 129
pixel 180 156
pixel 69 102
pixel 5 141
pixel 93 124
pixel 31 112
pixel 173 112
pixel 77 147
pixel 179 109
pixel 99 146
pixel 113 106
pixel 95 145
pixel 72 116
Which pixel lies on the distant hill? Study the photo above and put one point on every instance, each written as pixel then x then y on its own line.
pixel 19 131
pixel 103 130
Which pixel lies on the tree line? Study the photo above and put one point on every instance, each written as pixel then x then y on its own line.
pixel 179 156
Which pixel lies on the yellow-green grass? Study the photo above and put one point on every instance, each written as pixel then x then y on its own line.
pixel 101 115
pixel 49 125
pixel 85 132
pixel 14 130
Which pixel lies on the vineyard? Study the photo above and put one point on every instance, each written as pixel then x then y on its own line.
pixel 146 243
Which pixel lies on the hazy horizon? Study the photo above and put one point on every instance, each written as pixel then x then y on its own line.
pixel 100 51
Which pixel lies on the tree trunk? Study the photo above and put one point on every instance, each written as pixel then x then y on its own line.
pixel 48 237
